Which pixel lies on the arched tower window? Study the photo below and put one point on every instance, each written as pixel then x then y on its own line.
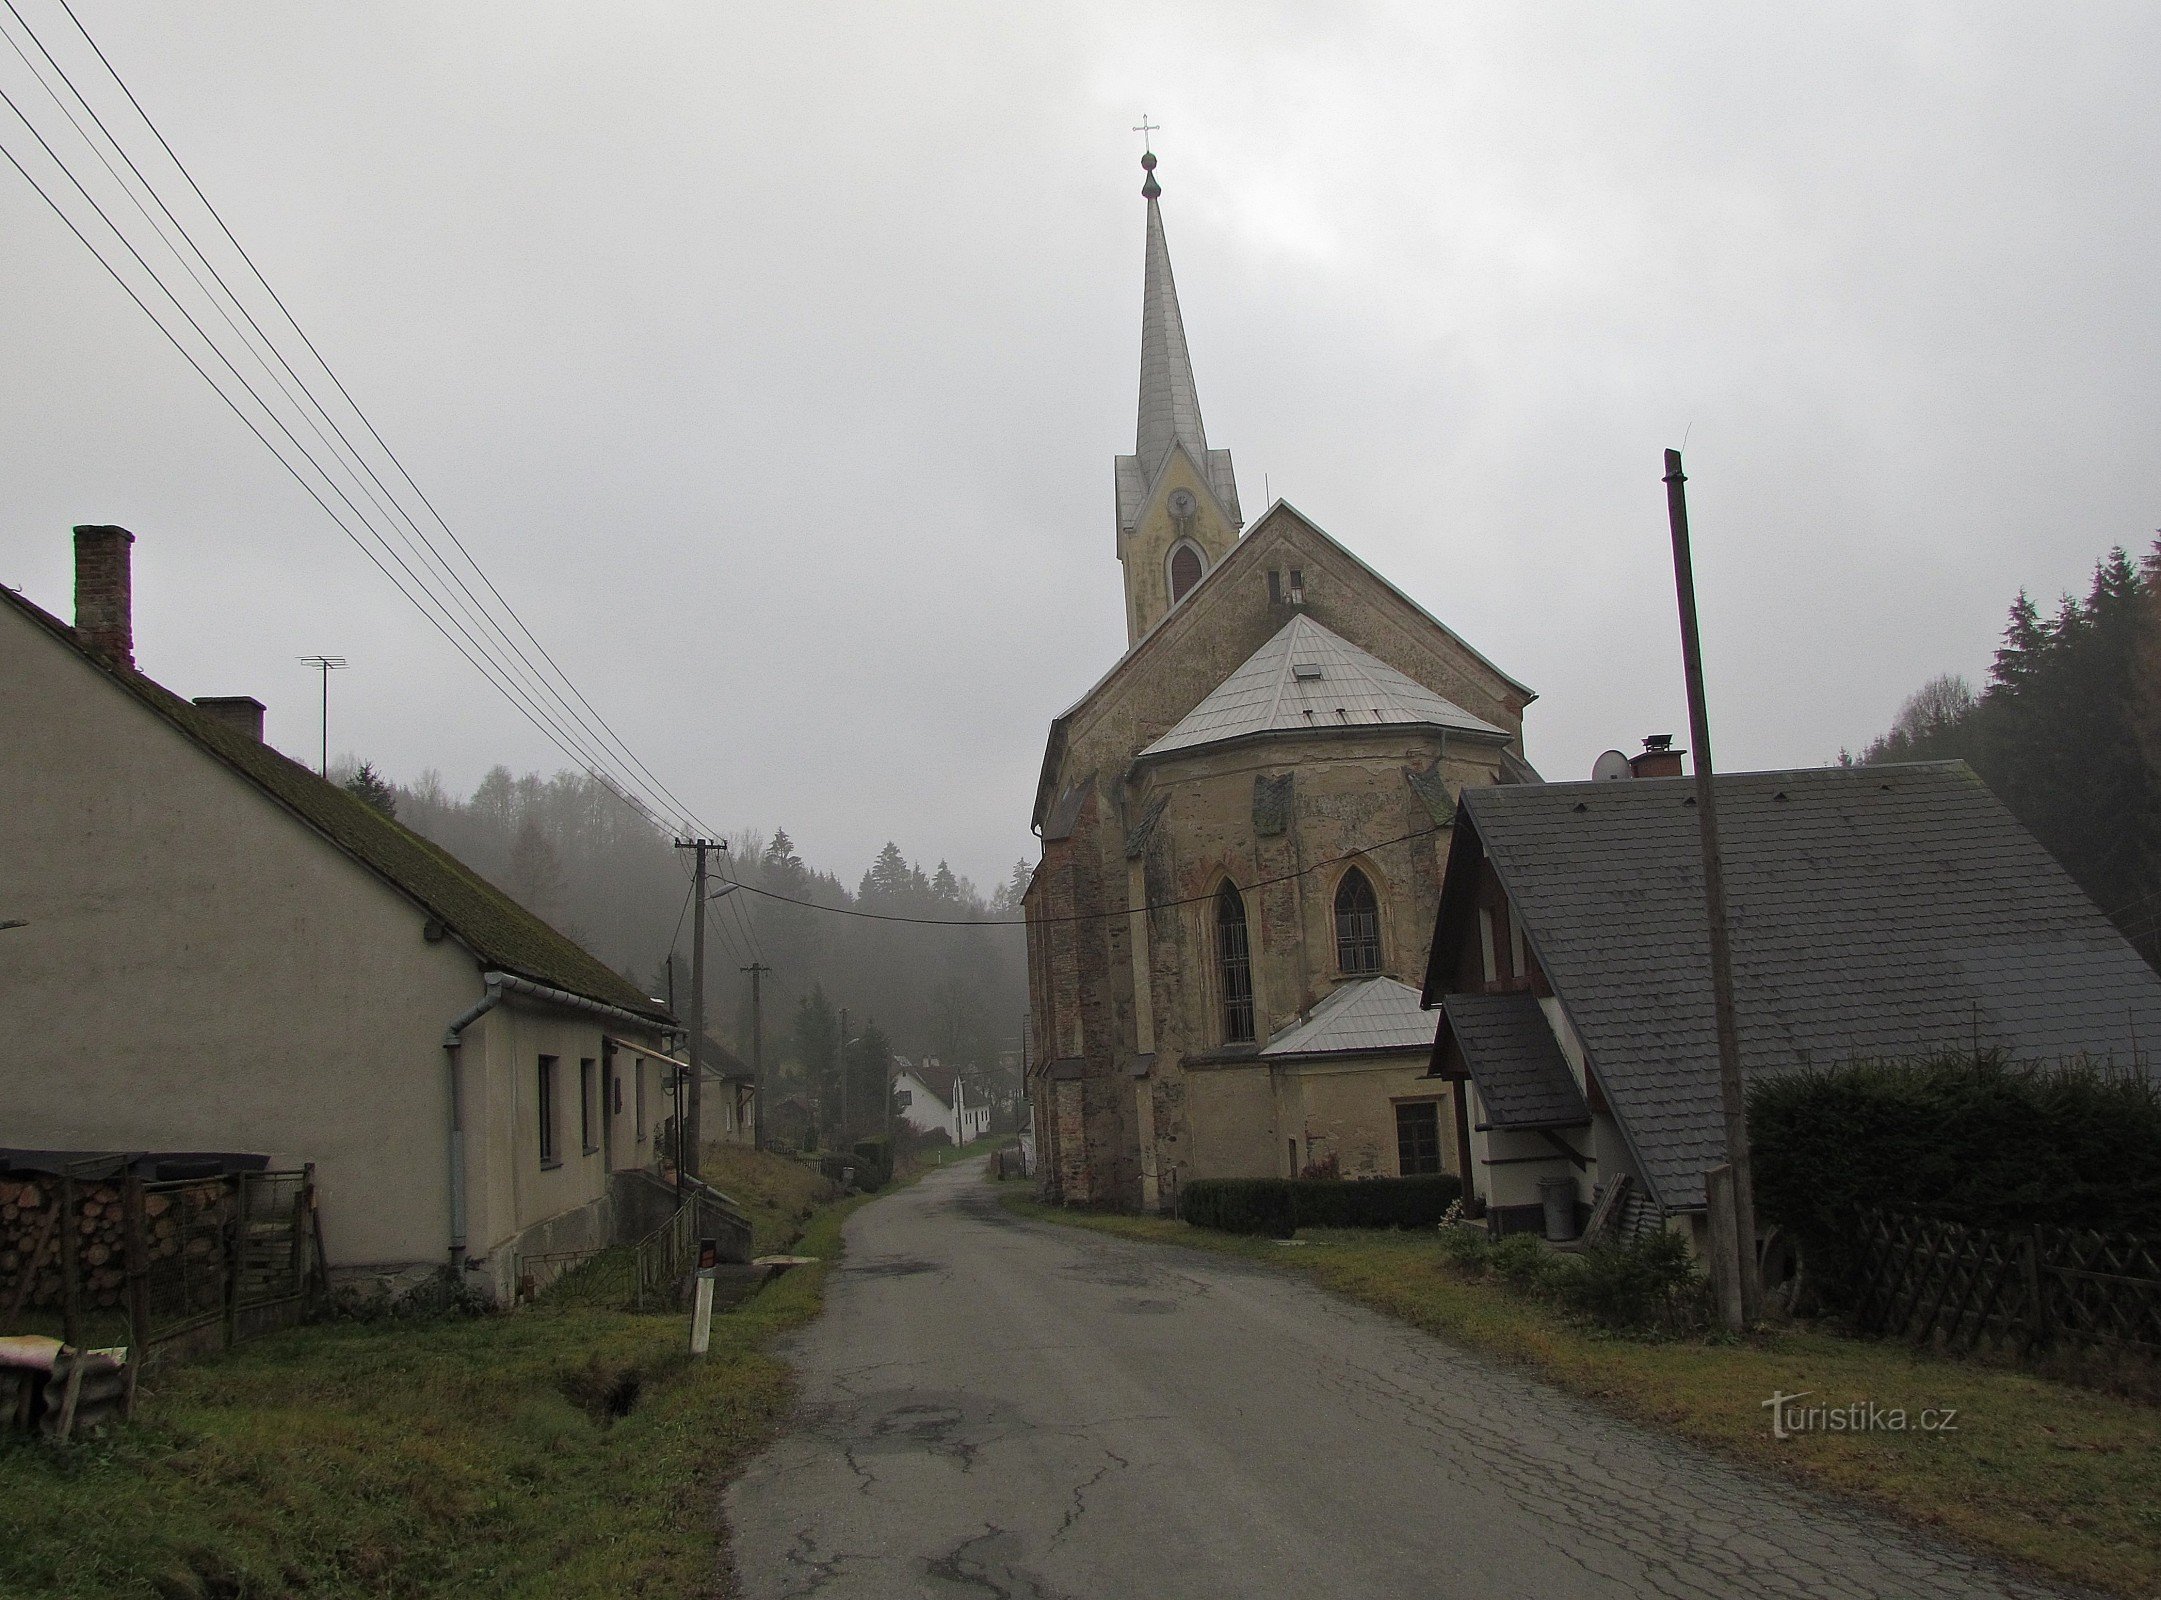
pixel 1358 924
pixel 1234 966
pixel 1185 570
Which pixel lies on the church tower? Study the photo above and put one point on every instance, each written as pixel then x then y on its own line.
pixel 1177 499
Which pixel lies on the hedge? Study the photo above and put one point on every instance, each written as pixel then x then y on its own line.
pixel 1969 1138
pixel 1278 1207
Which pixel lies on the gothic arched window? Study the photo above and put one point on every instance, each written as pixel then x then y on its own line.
pixel 1358 924
pixel 1234 966
pixel 1185 571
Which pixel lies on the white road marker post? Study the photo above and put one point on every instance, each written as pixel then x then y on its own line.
pixel 701 1314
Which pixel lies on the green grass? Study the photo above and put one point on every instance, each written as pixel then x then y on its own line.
pixel 457 1457
pixel 2063 1479
pixel 779 1192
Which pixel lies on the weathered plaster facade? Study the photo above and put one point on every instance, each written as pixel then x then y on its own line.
pixel 200 970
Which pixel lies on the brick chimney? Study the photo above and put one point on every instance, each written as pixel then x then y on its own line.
pixel 242 713
pixel 104 593
pixel 1658 758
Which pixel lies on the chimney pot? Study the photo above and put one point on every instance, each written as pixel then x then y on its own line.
pixel 242 713
pixel 104 593
pixel 1657 759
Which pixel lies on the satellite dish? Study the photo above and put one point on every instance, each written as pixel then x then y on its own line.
pixel 1611 765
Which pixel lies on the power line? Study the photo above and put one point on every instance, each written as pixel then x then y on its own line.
pixel 577 738
pixel 455 634
pixel 217 217
pixel 1082 916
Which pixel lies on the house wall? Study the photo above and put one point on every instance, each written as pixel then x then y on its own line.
pixel 518 1204
pixel 925 1111
pixel 1347 1109
pixel 199 971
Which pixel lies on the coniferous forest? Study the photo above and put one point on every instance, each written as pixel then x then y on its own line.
pixel 2067 733
pixel 572 850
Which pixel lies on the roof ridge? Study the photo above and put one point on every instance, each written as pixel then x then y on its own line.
pixel 393 852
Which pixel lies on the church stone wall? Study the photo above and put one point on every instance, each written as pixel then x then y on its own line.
pixel 1222 1116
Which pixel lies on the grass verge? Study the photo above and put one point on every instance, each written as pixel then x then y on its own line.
pixel 779 1192
pixel 480 1457
pixel 2060 1479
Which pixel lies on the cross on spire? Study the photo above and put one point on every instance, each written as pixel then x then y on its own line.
pixel 1145 129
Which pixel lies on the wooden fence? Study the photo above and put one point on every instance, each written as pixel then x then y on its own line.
pixel 1958 1287
pixel 115 1258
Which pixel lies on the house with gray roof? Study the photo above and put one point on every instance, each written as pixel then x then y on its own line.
pixel 1875 911
pixel 214 949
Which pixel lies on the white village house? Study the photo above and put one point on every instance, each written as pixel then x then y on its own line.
pixel 215 950
pixel 932 1098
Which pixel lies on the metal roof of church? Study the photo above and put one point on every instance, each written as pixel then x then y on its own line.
pixel 1308 678
pixel 1363 1016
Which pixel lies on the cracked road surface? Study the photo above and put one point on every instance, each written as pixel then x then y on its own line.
pixel 996 1407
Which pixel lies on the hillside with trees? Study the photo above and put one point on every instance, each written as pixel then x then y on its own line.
pixel 2067 733
pixel 571 849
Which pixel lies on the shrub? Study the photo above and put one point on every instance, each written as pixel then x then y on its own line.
pixel 1972 1138
pixel 1240 1205
pixel 1373 1202
pixel 1522 1261
pixel 1645 1283
pixel 1261 1205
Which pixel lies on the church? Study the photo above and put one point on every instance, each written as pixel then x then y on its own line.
pixel 1244 826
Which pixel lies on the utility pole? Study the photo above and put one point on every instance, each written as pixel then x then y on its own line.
pixel 757 969
pixel 326 665
pixel 844 1077
pixel 694 1098
pixel 1747 1303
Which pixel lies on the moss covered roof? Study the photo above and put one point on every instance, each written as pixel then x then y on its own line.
pixel 501 932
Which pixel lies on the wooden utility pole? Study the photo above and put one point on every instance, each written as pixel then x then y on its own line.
pixel 694 1091
pixel 843 1053
pixel 1748 1281
pixel 757 969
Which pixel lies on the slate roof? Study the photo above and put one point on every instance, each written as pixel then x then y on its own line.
pixel 498 930
pixel 1875 911
pixel 1308 677
pixel 1360 1018
pixel 1523 1080
pixel 932 1075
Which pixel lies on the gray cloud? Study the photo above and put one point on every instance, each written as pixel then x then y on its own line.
pixel 772 359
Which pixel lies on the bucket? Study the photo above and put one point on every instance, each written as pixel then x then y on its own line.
pixel 1558 1195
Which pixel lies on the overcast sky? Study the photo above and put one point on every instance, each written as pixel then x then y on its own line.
pixel 772 359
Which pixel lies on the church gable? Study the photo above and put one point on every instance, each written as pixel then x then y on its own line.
pixel 1286 566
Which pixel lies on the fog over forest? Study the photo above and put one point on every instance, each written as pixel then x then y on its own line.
pixel 573 851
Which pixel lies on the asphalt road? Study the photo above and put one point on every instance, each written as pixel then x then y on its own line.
pixel 993 1407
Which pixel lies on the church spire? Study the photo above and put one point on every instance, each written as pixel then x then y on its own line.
pixel 1177 499
pixel 1170 404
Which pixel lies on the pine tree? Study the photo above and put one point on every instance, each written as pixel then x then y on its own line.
pixel 370 786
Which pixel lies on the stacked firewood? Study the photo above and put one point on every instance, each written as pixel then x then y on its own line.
pixel 32 1249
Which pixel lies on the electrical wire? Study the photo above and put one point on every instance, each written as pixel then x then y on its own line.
pixel 328 371
pixel 1082 916
pixel 450 632
pixel 584 738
